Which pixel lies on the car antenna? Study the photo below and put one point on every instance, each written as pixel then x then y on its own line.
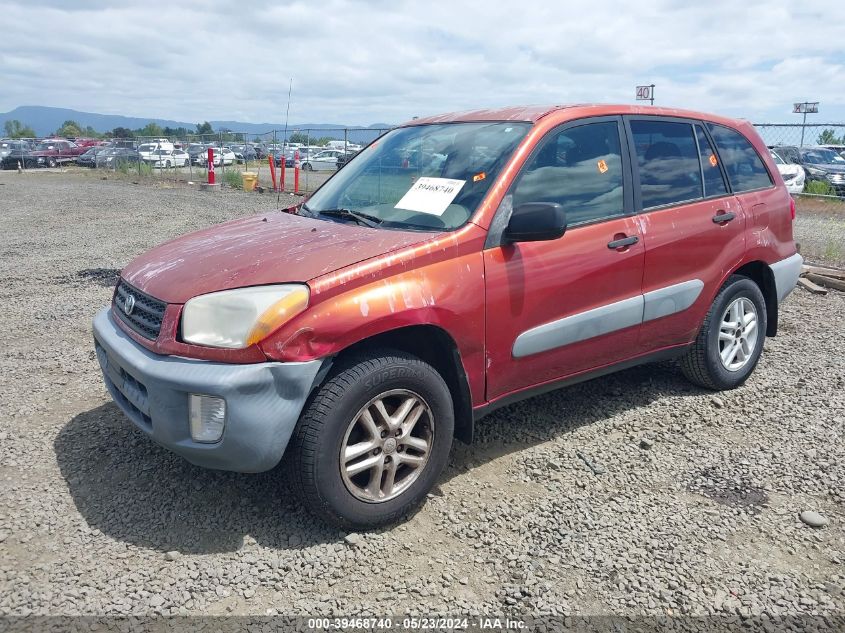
pixel 285 139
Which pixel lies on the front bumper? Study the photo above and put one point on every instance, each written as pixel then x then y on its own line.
pixel 263 400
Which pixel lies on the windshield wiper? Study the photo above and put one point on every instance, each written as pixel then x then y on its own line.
pixel 361 218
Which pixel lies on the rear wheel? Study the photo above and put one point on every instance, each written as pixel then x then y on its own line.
pixel 731 338
pixel 52 162
pixel 372 441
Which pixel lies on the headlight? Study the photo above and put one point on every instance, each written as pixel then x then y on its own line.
pixel 240 318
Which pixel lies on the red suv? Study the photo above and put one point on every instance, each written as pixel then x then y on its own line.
pixel 457 264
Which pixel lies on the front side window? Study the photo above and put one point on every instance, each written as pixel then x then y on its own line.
pixel 714 183
pixel 425 177
pixel 667 156
pixel 579 168
pixel 743 164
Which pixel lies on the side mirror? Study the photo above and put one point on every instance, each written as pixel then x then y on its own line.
pixel 536 222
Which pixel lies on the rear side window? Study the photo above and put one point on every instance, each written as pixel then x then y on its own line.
pixel 667 156
pixel 579 168
pixel 714 183
pixel 743 164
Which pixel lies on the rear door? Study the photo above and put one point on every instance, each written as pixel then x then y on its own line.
pixel 561 307
pixel 693 227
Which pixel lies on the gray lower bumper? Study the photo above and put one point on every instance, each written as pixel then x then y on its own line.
pixel 786 273
pixel 263 400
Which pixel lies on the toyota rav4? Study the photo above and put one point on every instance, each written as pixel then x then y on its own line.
pixel 457 264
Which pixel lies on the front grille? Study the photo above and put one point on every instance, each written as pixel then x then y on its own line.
pixel 146 314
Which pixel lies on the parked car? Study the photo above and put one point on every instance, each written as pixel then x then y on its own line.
pixel 150 152
pixel 89 157
pixel 117 157
pixel 165 158
pixel 358 333
pixel 222 156
pixel 793 175
pixel 321 161
pixel 820 164
pixel 46 153
pixel 243 153
pixel 7 146
pixel 345 158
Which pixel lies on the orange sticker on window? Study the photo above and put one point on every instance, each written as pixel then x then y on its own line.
pixel 479 176
pixel 713 160
pixel 602 166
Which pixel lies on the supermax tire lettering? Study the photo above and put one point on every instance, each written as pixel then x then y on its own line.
pixel 391 374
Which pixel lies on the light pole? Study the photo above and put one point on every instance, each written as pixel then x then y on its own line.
pixel 805 108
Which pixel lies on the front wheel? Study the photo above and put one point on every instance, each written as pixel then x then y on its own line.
pixel 373 440
pixel 307 167
pixel 730 341
pixel 52 162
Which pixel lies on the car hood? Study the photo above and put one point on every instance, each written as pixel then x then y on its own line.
pixel 264 249
pixel 831 169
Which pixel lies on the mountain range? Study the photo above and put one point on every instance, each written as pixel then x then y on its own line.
pixel 45 120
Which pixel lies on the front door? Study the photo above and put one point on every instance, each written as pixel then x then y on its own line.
pixel 561 307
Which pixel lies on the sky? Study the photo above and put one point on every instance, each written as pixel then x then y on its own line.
pixel 386 61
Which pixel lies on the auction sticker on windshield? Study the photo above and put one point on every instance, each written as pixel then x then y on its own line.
pixel 430 195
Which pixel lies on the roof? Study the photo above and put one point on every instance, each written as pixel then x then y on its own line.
pixel 533 113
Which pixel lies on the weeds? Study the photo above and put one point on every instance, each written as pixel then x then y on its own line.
pixel 233 179
pixel 819 188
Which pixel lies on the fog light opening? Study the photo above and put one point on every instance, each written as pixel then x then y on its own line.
pixel 208 417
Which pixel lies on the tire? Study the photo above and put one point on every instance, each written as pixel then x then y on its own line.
pixel 703 363
pixel 51 162
pixel 307 167
pixel 335 419
pixel 167 164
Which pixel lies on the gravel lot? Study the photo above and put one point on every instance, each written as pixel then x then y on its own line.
pixel 631 494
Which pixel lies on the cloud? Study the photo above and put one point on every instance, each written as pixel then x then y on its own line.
pixel 365 62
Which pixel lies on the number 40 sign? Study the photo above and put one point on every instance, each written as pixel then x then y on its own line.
pixel 645 93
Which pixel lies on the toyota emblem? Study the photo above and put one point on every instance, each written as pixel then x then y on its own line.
pixel 129 305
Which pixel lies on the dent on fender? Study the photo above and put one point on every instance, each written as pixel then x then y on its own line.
pixel 435 294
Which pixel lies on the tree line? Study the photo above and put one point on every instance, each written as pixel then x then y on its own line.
pixel 72 129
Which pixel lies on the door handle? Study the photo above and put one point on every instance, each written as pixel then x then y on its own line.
pixel 723 218
pixel 623 242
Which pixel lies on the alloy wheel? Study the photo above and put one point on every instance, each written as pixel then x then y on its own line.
pixel 387 446
pixel 738 334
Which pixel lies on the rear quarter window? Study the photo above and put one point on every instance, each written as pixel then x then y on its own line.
pixel 746 170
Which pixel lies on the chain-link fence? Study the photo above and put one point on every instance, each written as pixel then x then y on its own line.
pixel 818 149
pixel 798 135
pixel 270 155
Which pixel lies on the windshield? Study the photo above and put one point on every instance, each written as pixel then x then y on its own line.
pixel 778 160
pixel 424 177
pixel 822 157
